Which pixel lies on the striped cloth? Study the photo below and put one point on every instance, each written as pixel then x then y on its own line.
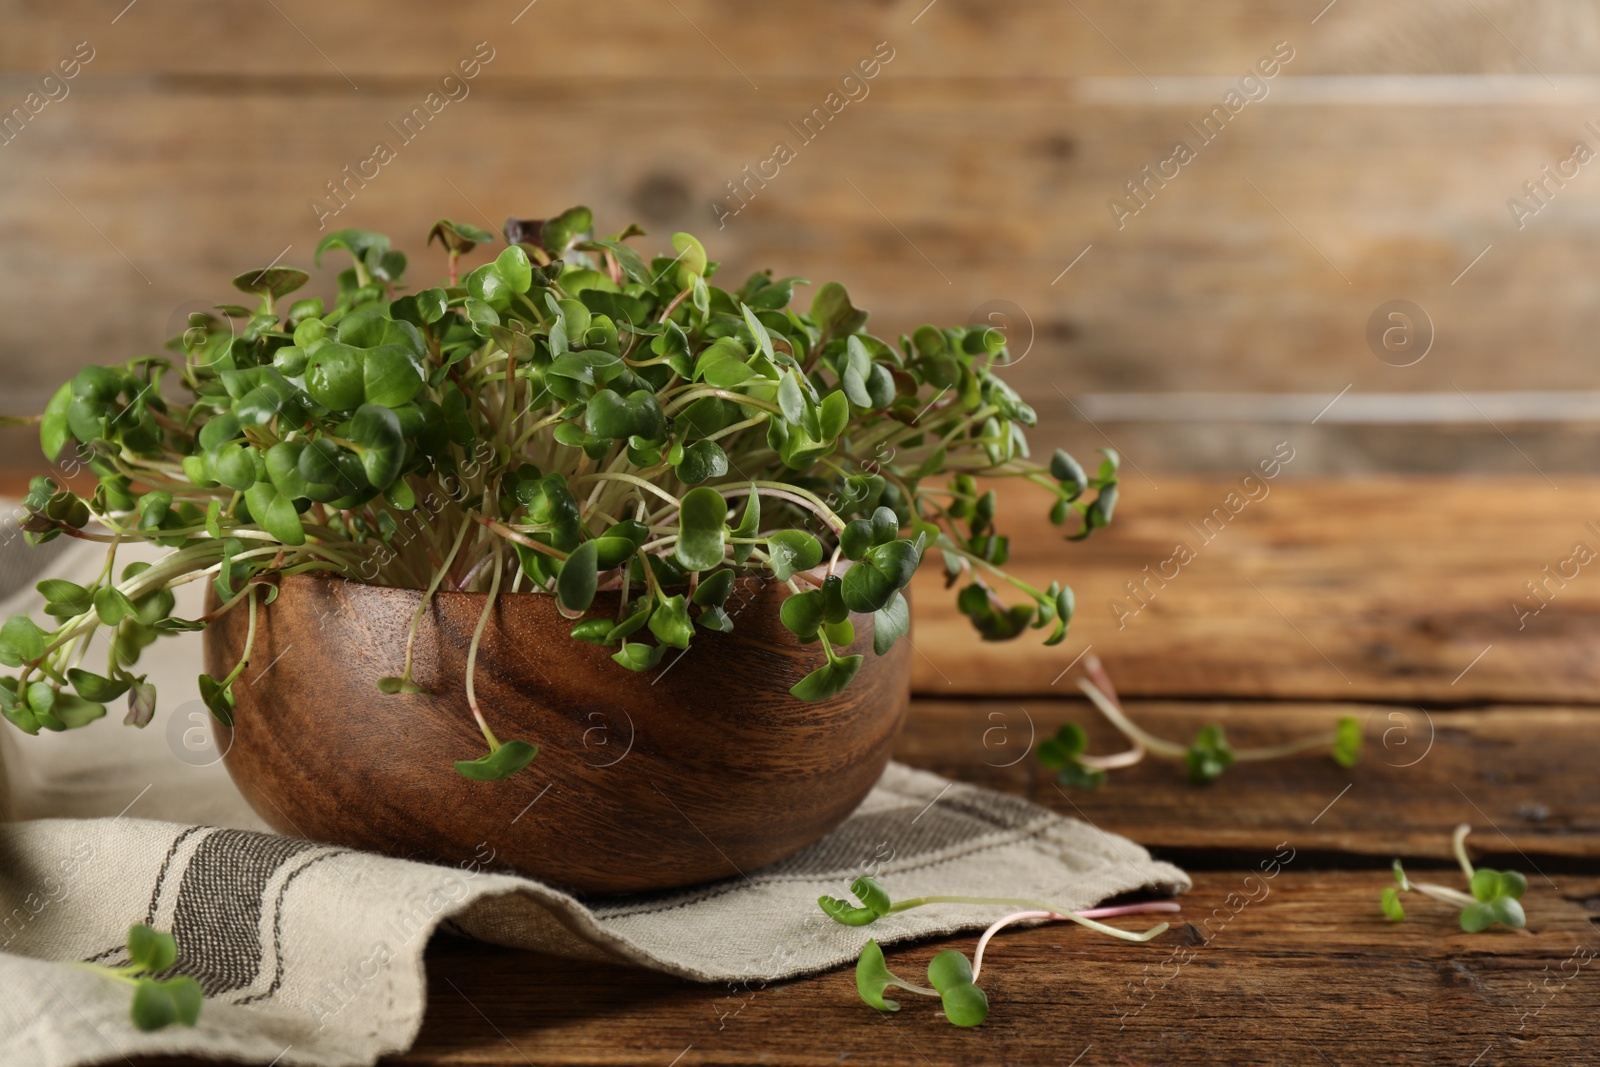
pixel 312 954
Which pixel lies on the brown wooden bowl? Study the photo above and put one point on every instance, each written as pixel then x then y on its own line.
pixel 702 768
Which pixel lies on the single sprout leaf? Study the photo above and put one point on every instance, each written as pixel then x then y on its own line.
pixel 54 430
pixel 890 623
pixel 1400 876
pixel 951 974
pixel 575 585
pixel 21 640
pixel 703 529
pixel 855 538
pixel 1477 917
pixel 157 1005
pixel 691 258
pixel 1076 775
pixel 150 949
pixel 879 574
pixel 873 977
pixel 670 622
pixel 875 903
pixel 802 614
pixel 1209 756
pixel 1067 471
pixel 273 281
pixel 1391 905
pixel 141 705
pixel 792 550
pixel 828 679
pixel 503 762
pixel 1508 910
pixel 218 699
pixel 96 687
pixel 1486 884
pixel 458 237
pixel 112 605
pixel 1060 753
pixel 638 656
pixel 1347 742
pixel 703 461
pixel 1068 743
pixel 714 589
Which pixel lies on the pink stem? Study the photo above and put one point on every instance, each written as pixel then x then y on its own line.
pixel 1088 913
pixel 1129 909
pixel 1101 680
pixel 1097 674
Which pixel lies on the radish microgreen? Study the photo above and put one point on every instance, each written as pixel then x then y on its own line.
pixel 1494 897
pixel 567 417
pixel 1206 758
pixel 952 976
pixel 157 1002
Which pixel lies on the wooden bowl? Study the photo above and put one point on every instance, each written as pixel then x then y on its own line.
pixel 702 768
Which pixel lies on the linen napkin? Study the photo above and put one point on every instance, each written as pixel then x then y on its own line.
pixel 313 954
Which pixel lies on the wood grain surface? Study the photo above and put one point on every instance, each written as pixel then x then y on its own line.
pixel 1379 590
pixel 969 172
pixel 1310 972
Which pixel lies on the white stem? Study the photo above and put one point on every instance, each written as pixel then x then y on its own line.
pixel 1444 894
pixel 1087 913
pixel 1116 760
pixel 1129 728
pixel 1458 841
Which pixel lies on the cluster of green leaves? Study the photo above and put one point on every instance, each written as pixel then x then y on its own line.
pixel 567 417
pixel 1063 753
pixel 1495 897
pixel 157 1002
pixel 1210 754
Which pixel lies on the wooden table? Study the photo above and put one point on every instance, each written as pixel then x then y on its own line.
pixel 1390 600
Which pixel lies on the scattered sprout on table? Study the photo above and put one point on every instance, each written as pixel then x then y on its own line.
pixel 953 977
pixel 1206 758
pixel 1495 897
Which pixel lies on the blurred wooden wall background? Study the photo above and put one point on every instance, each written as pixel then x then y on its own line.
pixel 976 168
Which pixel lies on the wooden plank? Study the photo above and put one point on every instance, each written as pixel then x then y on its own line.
pixel 963 37
pixel 700 40
pixel 1210 269
pixel 1519 775
pixel 1274 980
pixel 1380 589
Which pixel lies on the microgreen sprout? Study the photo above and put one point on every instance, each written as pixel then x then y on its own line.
pixel 1206 758
pixel 953 977
pixel 1495 897
pixel 157 1002
pixel 568 417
